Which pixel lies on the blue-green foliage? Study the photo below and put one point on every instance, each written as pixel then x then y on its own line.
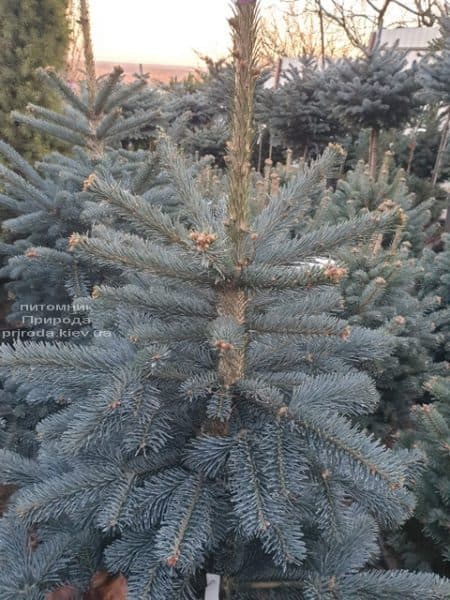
pixel 373 91
pixel 435 70
pixel 298 116
pixel 211 430
pixel 424 542
pixel 380 290
pixel 45 204
pixel 196 111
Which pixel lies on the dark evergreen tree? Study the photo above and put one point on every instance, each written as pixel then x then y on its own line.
pixel 375 91
pixel 212 432
pixel 434 75
pixel 197 115
pixel 436 284
pixel 380 290
pixel 424 543
pixel 33 34
pixel 298 117
pixel 416 149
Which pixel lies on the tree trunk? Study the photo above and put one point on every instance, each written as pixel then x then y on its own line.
pixel 373 151
pixel 225 589
pixel 440 154
pixel 276 84
pixel 447 218
pixel 322 34
pixel 412 150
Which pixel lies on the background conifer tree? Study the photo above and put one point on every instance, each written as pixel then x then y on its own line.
pixel 298 116
pixel 434 75
pixel 374 91
pixel 46 204
pixel 33 34
pixel 424 541
pixel 380 291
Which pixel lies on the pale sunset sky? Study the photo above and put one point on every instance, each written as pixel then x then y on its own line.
pixel 162 32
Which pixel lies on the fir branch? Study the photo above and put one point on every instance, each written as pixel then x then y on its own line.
pixel 51 76
pixel 62 133
pixel 43 115
pixel 106 89
pixel 133 254
pixel 193 206
pixel 22 166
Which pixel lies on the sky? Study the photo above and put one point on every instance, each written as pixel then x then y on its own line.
pixel 161 32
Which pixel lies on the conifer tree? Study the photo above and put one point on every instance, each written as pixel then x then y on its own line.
pixel 436 285
pixel 46 203
pixel 298 116
pixel 197 113
pixel 33 34
pixel 424 542
pixel 380 290
pixel 374 91
pixel 434 76
pixel 212 433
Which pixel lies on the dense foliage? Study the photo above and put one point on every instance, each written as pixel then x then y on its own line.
pixel 231 341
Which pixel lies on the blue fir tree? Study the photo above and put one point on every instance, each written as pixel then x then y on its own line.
pixel 424 542
pixel 45 204
pixel 211 431
pixel 196 111
pixel 434 76
pixel 298 117
pixel 380 291
pixel 375 91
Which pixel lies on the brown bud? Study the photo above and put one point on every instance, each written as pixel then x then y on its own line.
pixel 335 274
pixel 345 333
pixel 75 239
pixel 223 346
pixel 202 240
pixel 172 561
pixel 399 320
pixel 387 204
pixel 326 474
pixel 88 182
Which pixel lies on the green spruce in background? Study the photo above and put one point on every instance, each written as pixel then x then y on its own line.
pixel 33 34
